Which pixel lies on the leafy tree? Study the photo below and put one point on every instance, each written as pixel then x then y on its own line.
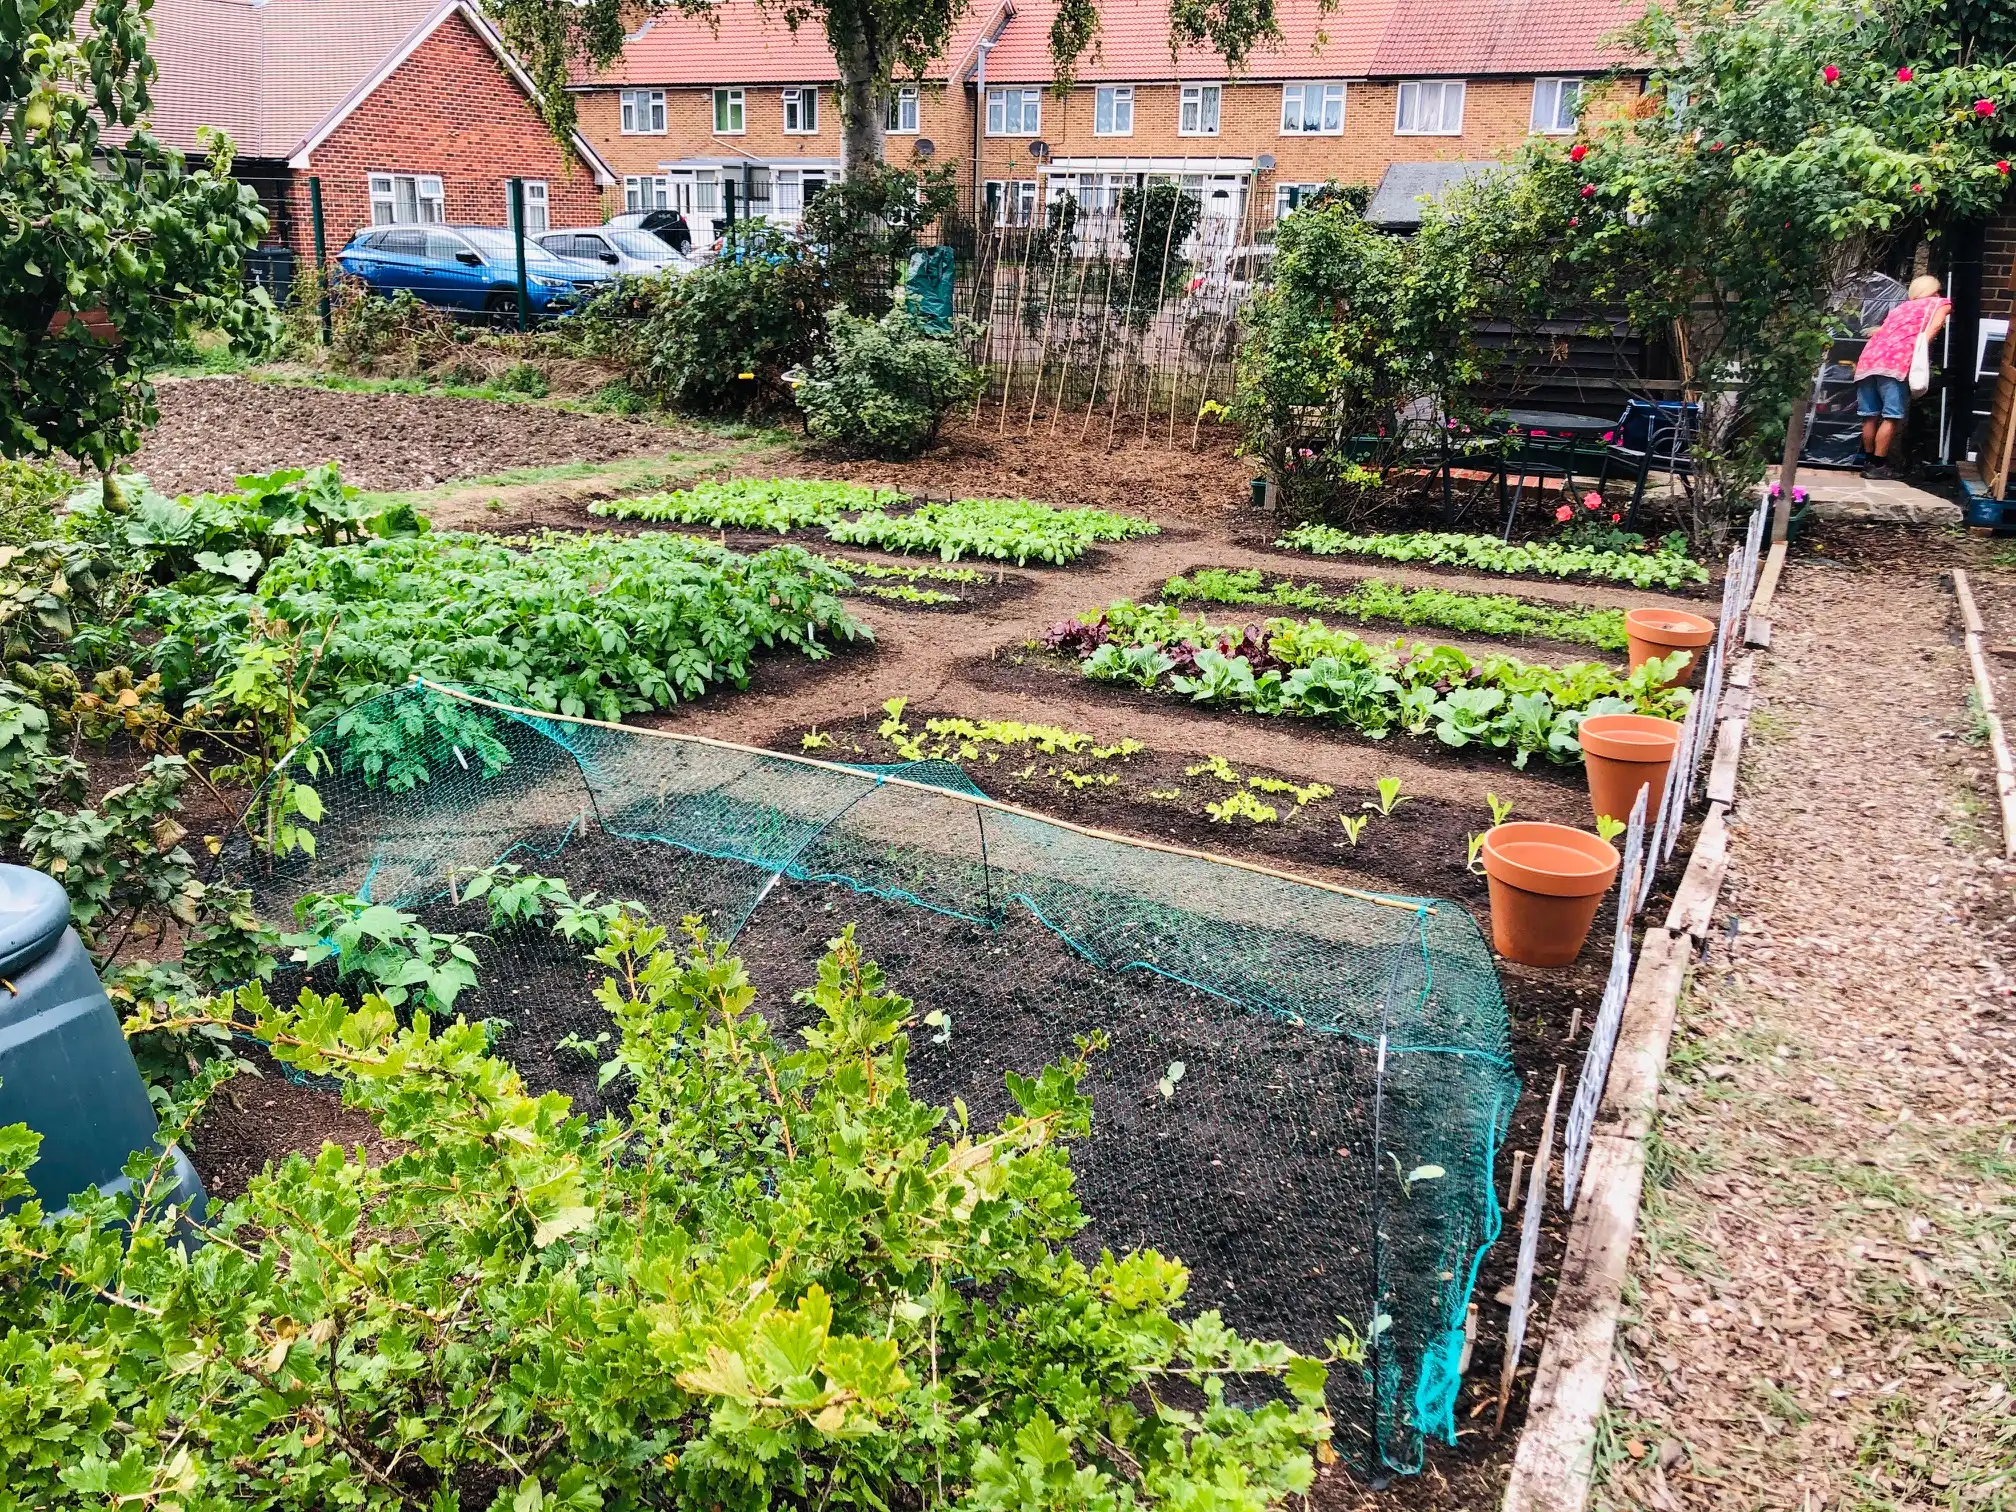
pixel 873 42
pixel 774 1279
pixel 112 248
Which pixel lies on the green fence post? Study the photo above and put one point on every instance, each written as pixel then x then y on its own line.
pixel 518 244
pixel 321 249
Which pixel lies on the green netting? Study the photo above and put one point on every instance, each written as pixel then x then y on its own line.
pixel 1327 1156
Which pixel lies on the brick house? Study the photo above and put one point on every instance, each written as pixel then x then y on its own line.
pixel 405 110
pixel 697 111
pixel 1343 95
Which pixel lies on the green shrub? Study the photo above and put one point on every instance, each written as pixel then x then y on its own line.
pixel 774 1279
pixel 722 338
pixel 883 386
pixel 29 492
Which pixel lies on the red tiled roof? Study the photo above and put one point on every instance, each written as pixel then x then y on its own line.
pixel 1133 44
pixel 744 43
pixel 269 73
pixel 1503 36
pixel 739 42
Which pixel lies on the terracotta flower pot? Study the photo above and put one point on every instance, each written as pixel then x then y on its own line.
pixel 1546 881
pixel 1622 753
pixel 1661 632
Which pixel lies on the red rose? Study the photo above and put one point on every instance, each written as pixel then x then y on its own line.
pixel 1609 435
pixel 1714 146
pixel 1830 73
pixel 1984 107
pixel 1917 188
pixel 1615 518
pixel 1564 513
pixel 1578 152
pixel 1576 220
pixel 1588 191
pixel 1904 76
pixel 2003 166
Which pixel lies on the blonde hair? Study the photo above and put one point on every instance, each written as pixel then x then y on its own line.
pixel 1924 286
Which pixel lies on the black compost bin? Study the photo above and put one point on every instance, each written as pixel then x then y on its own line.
pixel 65 1070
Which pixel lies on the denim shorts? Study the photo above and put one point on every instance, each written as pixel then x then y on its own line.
pixel 1881 398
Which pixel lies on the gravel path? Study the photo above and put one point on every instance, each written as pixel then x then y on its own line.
pixel 1822 1290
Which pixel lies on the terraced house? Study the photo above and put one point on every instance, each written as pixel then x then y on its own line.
pixel 1395 94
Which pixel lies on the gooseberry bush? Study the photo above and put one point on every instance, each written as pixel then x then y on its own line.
pixel 774 1279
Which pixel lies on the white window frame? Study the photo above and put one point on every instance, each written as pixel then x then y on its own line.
pixel 802 102
pixel 538 207
pixel 646 191
pixel 903 107
pixel 1326 92
pixel 1010 195
pixel 641 112
pixel 1416 91
pixel 1552 92
pixel 1029 114
pixel 1299 192
pixel 382 189
pixel 731 104
pixel 1112 101
pixel 1192 101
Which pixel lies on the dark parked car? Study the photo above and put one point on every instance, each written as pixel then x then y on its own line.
pixel 466 268
pixel 669 226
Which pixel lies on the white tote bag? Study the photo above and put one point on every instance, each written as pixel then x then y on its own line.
pixel 1921 359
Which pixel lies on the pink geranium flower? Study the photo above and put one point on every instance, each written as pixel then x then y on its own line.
pixel 1564 513
pixel 1592 500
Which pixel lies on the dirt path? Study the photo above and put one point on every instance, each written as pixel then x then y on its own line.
pixel 1822 1291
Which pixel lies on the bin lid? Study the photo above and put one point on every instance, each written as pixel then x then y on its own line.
pixel 34 912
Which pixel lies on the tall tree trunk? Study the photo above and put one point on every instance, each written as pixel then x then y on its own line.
pixel 861 121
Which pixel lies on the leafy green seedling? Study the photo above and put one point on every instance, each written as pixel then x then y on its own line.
pixel 1475 859
pixel 1167 1086
pixel 1608 829
pixel 812 740
pixel 1390 797
pixel 1500 809
pixel 1354 826
pixel 940 1020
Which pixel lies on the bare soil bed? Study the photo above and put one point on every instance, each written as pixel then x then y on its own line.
pixel 215 429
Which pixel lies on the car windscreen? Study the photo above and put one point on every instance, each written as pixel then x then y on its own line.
pixel 498 250
pixel 640 244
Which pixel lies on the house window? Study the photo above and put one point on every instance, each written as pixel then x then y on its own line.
pixel 1554 105
pixel 405 199
pixel 1011 202
pixel 728 112
pixel 903 111
pixel 796 188
pixel 1312 109
pixel 801 111
pixel 1014 112
pixel 1197 111
pixel 537 219
pixel 1113 110
pixel 1291 197
pixel 644 193
pixel 1430 107
pixel 643 112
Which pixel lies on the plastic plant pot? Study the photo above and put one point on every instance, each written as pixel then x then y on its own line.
pixel 1622 753
pixel 65 1070
pixel 1661 632
pixel 1546 882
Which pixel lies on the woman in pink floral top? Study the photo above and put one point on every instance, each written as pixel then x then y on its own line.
pixel 1882 392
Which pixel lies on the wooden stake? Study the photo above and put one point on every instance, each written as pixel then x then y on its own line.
pixel 1984 694
pixel 1513 1193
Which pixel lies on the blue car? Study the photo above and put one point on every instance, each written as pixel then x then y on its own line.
pixel 467 268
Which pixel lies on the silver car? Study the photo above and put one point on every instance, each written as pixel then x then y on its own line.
pixel 617 249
